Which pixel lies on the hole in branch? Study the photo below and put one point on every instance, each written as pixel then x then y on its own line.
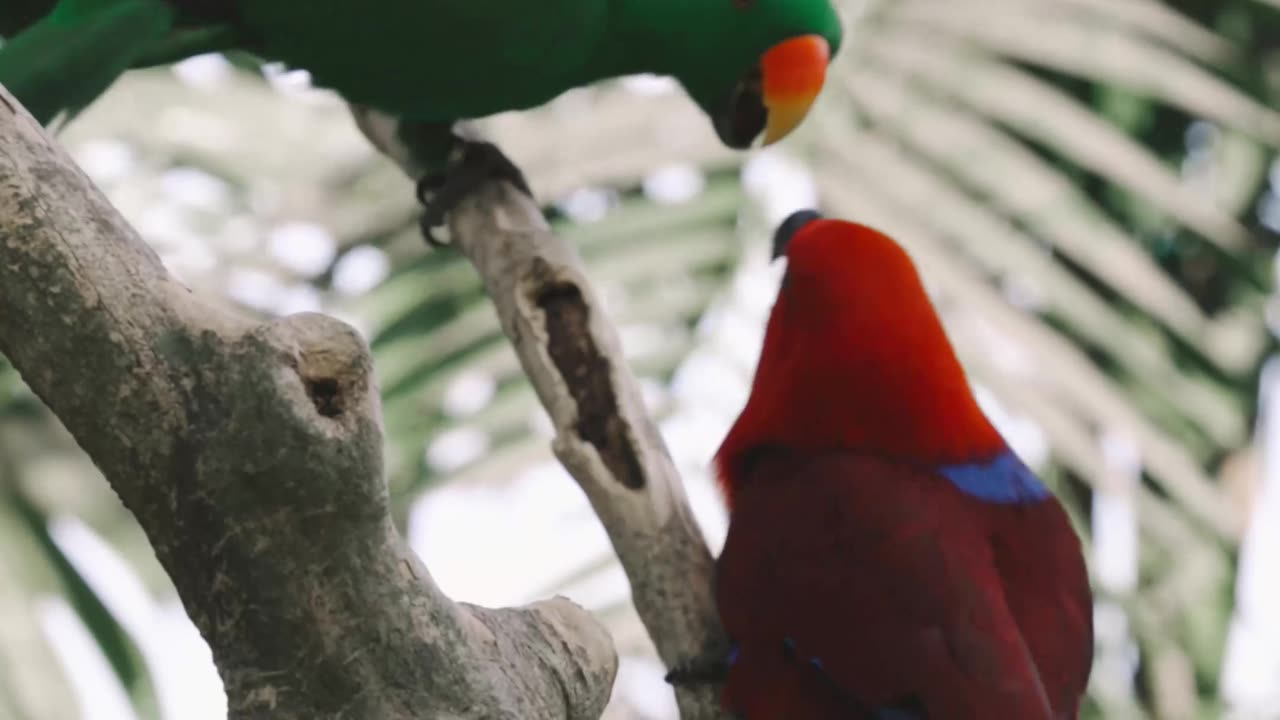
pixel 325 395
pixel 586 373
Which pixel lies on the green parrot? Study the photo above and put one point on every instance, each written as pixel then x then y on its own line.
pixel 754 66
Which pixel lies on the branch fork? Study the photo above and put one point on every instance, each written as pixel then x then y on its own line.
pixel 251 454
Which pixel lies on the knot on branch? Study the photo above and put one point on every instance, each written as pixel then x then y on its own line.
pixel 333 363
pixel 321 369
pixel 292 406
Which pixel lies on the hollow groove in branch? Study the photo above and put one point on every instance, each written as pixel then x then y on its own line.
pixel 587 374
pixel 325 394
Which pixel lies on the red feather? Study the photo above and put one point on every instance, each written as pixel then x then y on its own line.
pixel 856 576
pixel 855 358
pixel 903 589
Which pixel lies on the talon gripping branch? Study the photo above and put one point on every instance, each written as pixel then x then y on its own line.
pixel 888 556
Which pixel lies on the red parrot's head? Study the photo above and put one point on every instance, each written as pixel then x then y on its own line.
pixel 855 358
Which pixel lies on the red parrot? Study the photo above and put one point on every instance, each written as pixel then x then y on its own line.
pixel 889 557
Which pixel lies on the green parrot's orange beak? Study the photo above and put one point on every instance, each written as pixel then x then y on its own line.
pixel 792 74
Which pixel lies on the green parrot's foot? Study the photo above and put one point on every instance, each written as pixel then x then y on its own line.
pixel 473 164
pixel 698 673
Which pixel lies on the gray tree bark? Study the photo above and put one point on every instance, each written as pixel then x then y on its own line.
pixel 603 435
pixel 251 454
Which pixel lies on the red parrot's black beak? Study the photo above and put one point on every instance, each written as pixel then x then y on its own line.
pixel 788 229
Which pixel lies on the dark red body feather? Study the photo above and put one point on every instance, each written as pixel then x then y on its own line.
pixel 904 589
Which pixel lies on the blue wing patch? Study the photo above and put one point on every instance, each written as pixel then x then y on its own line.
pixel 1004 479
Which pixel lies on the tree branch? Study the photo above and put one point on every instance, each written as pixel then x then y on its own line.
pixel 251 454
pixel 604 437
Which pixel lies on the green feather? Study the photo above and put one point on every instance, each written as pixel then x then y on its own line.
pixel 431 62
pixel 442 60
pixel 64 61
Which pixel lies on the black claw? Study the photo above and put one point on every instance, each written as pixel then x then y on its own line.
pixel 474 164
pixel 426 191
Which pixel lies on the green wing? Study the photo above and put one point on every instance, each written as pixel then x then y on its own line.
pixel 65 60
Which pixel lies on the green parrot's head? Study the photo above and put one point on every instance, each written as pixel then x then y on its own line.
pixel 756 66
